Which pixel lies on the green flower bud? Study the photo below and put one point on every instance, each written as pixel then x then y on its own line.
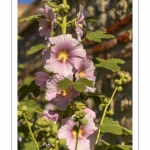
pixel 110 112
pixel 75 119
pixel 68 7
pixel 62 142
pixel 120 88
pixel 51 140
pixel 59 19
pixel 106 101
pixel 83 121
pixel 121 75
pixel 48 134
pixel 54 129
pixel 124 80
pixel 119 82
pixel 102 105
pixel 47 129
pixel 19 113
pixel 24 108
pixel 116 81
pixel 126 76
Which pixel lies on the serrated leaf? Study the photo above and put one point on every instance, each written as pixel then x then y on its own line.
pixel 98 35
pixel 111 126
pixel 119 147
pixel 36 48
pixel 111 64
pixel 80 85
pixel 53 5
pixel 25 89
pixel 64 84
pixel 34 17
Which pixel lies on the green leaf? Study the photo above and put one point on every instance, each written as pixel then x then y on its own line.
pixel 29 146
pixel 127 131
pixel 111 64
pixel 64 84
pixel 36 48
pixel 28 80
pixel 80 85
pixel 119 147
pixel 34 17
pixel 25 89
pixel 98 35
pixel 53 5
pixel 111 126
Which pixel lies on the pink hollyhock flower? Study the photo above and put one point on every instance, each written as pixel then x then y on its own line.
pixel 60 98
pixel 65 55
pixel 87 70
pixel 41 78
pixel 47 24
pixel 51 115
pixel 82 14
pixel 91 112
pixel 85 138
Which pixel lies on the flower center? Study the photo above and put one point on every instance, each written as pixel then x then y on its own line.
pixel 64 92
pixel 76 131
pixel 48 24
pixel 63 56
pixel 81 74
pixel 80 25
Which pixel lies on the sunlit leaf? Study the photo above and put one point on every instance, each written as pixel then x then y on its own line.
pixel 34 17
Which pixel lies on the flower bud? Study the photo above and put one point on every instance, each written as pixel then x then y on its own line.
pixel 106 101
pixel 121 75
pixel 119 88
pixel 124 80
pixel 119 82
pixel 75 119
pixel 68 7
pixel 51 140
pixel 19 113
pixel 59 19
pixel 47 129
pixel 62 142
pixel 110 112
pixel 54 129
pixel 126 76
pixel 102 105
pixel 116 81
pixel 24 108
pixel 83 121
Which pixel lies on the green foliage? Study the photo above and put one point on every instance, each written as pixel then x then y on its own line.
pixel 29 146
pixel 34 17
pixel 28 80
pixel 111 64
pixel 98 35
pixel 111 126
pixel 20 38
pixel 64 84
pixel 25 89
pixel 36 48
pixel 79 85
pixel 119 147
pixel 53 5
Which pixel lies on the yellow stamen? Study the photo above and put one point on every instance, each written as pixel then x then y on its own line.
pixel 80 25
pixel 64 92
pixel 74 133
pixel 81 74
pixel 63 56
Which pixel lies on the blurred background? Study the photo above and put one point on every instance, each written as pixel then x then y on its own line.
pixel 114 17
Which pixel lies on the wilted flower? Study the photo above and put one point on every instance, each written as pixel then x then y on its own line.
pixel 41 78
pixel 51 115
pixel 66 55
pixel 46 25
pixel 60 98
pixel 82 14
pixel 87 70
pixel 85 133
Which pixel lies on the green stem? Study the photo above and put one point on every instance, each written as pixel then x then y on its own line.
pixel 29 127
pixel 104 113
pixel 77 138
pixel 56 146
pixel 64 19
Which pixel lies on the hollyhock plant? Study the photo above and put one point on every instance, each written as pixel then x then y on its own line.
pixel 51 115
pixel 91 112
pixel 87 70
pixel 47 24
pixel 84 135
pixel 65 56
pixel 82 14
pixel 60 98
pixel 41 78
